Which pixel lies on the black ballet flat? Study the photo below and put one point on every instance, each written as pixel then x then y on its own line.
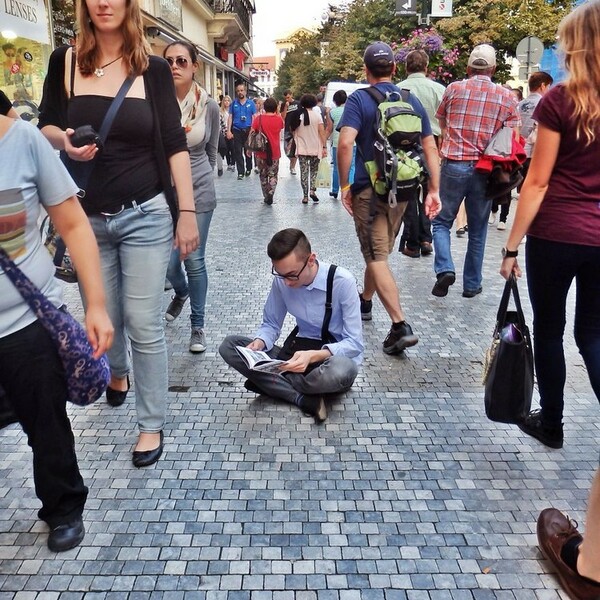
pixel 147 457
pixel 117 397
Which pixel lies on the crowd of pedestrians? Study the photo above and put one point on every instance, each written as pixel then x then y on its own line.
pixel 150 196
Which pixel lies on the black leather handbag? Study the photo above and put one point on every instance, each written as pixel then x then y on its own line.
pixel 508 369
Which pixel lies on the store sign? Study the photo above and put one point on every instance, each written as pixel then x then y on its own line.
pixel 25 18
pixel 260 72
pixel 169 11
pixel 441 8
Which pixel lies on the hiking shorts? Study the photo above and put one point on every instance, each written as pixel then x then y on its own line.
pixel 377 224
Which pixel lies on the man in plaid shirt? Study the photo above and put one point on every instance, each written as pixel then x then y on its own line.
pixel 470 113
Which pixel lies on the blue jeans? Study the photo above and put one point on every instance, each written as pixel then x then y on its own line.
pixel 135 245
pixel 459 181
pixel 335 375
pixel 551 269
pixel 335 181
pixel 196 284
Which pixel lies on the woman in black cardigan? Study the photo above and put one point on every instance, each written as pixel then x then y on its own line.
pixel 127 194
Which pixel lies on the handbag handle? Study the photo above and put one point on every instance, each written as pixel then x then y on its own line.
pixel 510 287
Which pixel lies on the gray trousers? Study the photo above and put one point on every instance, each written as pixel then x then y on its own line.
pixel 333 376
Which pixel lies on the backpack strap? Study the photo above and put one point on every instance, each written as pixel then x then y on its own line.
pixel 376 94
pixel 72 77
pixel 405 94
pixel 325 335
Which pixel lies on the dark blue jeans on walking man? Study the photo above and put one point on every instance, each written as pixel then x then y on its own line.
pixel 32 375
pixel 551 269
pixel 459 180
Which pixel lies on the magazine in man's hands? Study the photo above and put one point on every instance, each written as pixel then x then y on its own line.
pixel 258 360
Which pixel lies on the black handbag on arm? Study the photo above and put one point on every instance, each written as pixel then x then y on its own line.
pixel 508 369
pixel 293 343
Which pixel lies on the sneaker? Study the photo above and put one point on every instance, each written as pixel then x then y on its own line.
pixel 220 172
pixel 240 177
pixel 443 282
pixel 472 293
pixel 461 231
pixel 256 170
pixel 197 340
pixel 174 309
pixel 501 226
pixel 292 171
pixel 549 436
pixel 314 406
pixel 412 253
pixel 333 195
pixel 366 307
pixel 268 200
pixel 492 218
pixel 399 338
pixel 248 172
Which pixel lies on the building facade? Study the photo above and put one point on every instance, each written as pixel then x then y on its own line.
pixel 31 29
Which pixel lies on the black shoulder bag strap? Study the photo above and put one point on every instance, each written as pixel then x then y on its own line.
pixel 107 122
pixel 325 335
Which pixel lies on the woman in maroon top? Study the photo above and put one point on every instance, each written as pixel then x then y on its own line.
pixel 271 124
pixel 559 210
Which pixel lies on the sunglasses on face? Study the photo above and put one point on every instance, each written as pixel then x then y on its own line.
pixel 181 62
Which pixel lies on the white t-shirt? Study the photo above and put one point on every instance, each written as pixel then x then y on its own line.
pixel 31 174
pixel 308 141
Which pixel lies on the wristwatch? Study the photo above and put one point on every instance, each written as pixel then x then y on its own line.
pixel 509 253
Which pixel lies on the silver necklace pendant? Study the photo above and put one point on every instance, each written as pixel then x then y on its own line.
pixel 99 72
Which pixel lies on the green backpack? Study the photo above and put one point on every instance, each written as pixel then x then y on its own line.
pixel 397 168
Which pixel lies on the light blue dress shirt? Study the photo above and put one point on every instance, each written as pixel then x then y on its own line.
pixel 307 305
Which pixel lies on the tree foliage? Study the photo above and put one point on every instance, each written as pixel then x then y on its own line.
pixel 334 52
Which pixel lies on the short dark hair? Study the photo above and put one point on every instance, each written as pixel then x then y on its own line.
pixel 417 61
pixel 239 82
pixel 381 70
pixel 192 51
pixel 286 92
pixel 537 79
pixel 286 241
pixel 340 97
pixel 270 105
pixel 308 101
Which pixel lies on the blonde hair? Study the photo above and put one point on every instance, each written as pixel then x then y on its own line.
pixel 579 35
pixel 135 49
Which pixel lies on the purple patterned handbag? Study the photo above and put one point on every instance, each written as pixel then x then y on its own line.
pixel 87 377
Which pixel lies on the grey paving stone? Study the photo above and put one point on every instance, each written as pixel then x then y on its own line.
pixel 406 492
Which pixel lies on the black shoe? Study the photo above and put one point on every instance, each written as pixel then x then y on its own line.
pixel 549 436
pixel 314 406
pixel 220 172
pixel 443 282
pixel 461 231
pixel 252 387
pixel 117 397
pixel 366 307
pixel 146 458
pixel 334 196
pixel 240 176
pixel 248 173
pixel 472 293
pixel 314 197
pixel 399 338
pixel 268 200
pixel 67 536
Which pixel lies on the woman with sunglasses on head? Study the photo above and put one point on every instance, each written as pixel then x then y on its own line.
pixel 128 191
pixel 200 119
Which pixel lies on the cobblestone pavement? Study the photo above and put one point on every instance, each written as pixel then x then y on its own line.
pixel 406 492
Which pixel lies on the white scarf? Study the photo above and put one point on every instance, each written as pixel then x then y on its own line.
pixel 193 114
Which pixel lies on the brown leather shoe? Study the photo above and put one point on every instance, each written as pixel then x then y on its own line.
pixel 553 531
